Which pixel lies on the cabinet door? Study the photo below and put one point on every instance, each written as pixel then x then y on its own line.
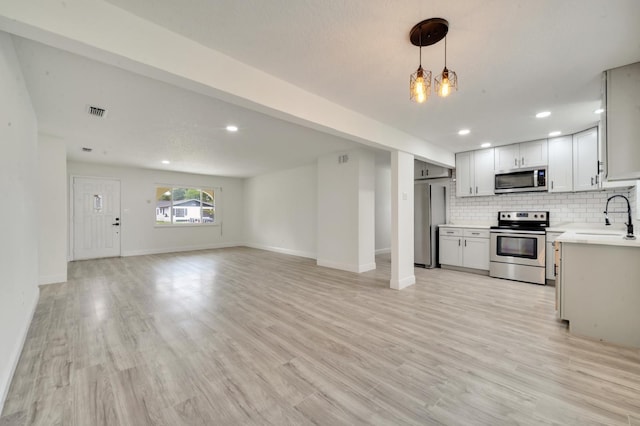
pixel 418 169
pixel 623 126
pixel 464 174
pixel 475 253
pixel 506 157
pixel 533 153
pixel 561 164
pixel 585 160
pixel 450 250
pixel 484 175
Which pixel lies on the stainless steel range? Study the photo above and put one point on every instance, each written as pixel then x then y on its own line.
pixel 518 246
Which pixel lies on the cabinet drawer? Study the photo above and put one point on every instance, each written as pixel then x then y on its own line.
pixel 477 233
pixel 457 232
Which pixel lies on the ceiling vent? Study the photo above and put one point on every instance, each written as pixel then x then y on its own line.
pixel 96 111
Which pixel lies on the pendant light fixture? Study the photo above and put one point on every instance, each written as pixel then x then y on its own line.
pixel 448 80
pixel 426 33
pixel 420 83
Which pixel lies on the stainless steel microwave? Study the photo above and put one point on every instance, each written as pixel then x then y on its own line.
pixel 521 180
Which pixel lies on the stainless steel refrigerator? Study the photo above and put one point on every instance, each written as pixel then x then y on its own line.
pixel 430 210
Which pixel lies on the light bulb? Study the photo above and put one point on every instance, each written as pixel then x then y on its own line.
pixel 420 90
pixel 444 91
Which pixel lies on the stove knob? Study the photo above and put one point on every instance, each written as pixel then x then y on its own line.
pixel 535 216
pixel 508 215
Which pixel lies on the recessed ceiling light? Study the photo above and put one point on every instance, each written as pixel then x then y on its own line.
pixel 485 145
pixel 555 133
pixel 464 132
pixel 166 162
pixel 232 128
pixel 599 111
pixel 543 114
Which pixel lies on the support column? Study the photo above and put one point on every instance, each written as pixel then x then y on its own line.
pixel 402 274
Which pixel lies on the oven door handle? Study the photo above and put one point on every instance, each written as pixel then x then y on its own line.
pixel 515 232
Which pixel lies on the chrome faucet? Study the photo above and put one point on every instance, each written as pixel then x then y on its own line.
pixel 629 224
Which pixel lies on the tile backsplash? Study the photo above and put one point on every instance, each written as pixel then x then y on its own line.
pixel 582 207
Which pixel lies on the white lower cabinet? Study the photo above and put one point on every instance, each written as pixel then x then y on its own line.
pixel 465 247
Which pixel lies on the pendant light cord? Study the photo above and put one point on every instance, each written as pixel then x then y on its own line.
pixel 445 52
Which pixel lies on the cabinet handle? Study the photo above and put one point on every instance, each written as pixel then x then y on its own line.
pixel 515 161
pixel 470 190
pixel 475 233
pixel 555 270
pixel 591 180
pixel 522 164
pixel 449 232
pixel 551 184
pixel 476 189
pixel 458 242
pixel 597 179
pixel 465 243
pixel 427 172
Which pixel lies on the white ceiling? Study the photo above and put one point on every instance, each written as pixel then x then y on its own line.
pixel 513 58
pixel 149 121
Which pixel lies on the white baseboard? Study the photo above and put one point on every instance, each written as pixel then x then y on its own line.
pixel 403 283
pixel 52 279
pixel 383 250
pixel 178 249
pixel 18 352
pixel 366 267
pixel 346 266
pixel 282 250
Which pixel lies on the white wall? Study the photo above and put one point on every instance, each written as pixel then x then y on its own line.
pixel 139 234
pixel 383 202
pixel 281 211
pixel 52 211
pixel 366 210
pixel 402 201
pixel 346 224
pixel 18 216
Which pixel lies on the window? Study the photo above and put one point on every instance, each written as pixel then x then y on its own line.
pixel 179 206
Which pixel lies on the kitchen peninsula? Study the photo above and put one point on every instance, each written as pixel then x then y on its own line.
pixel 599 288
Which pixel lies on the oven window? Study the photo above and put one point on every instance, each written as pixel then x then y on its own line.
pixel 515 180
pixel 526 247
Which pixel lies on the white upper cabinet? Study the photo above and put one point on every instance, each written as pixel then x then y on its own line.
pixel 464 174
pixel 585 161
pixel 422 170
pixel 533 154
pixel 484 174
pixel 507 156
pixel 525 154
pixel 474 173
pixel 622 122
pixel 560 172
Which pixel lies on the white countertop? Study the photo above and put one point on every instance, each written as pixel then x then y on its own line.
pixel 612 237
pixel 578 226
pixel 466 225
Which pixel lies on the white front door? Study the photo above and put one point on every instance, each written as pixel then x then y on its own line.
pixel 96 218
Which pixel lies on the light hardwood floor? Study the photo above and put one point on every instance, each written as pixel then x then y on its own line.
pixel 244 336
